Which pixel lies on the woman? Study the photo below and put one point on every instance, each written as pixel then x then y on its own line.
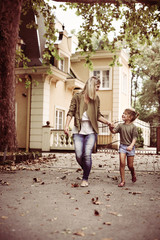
pixel 85 107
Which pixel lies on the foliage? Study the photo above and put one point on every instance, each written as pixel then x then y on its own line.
pixel 139 24
pixel 140 139
pixel 147 68
pixel 147 96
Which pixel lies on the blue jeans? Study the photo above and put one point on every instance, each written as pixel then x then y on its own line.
pixel 83 145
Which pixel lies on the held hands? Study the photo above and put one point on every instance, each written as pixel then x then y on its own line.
pixel 111 126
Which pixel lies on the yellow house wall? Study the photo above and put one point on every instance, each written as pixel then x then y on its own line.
pixel 60 97
pixel 105 100
pixel 64 45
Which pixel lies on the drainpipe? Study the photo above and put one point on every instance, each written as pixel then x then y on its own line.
pixel 28 116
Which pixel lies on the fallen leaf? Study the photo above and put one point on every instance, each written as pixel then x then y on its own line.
pixel 95 201
pixel 134 193
pixel 74 185
pixel 151 199
pixel 4 217
pixel 114 178
pixel 37 180
pixel 3 183
pixel 79 170
pixel 96 213
pixel 81 234
pixel 107 223
pixel 116 214
pixel 64 177
pixel 88 192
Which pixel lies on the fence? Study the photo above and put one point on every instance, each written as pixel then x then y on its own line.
pixel 57 140
pixel 158 140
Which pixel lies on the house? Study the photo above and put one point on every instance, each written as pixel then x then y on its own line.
pixel 42 107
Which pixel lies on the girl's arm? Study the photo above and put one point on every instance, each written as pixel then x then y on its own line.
pixel 111 128
pixel 130 147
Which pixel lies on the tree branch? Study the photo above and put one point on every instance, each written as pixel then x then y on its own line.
pixel 146 2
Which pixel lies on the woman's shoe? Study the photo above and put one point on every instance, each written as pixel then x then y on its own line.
pixel 122 184
pixel 84 183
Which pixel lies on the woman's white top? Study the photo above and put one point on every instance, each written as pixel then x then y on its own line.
pixel 86 127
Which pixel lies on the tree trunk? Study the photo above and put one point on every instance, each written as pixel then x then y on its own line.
pixel 9 27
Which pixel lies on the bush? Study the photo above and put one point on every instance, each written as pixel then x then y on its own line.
pixel 140 139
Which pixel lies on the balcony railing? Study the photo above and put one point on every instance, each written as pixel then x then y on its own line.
pixel 61 141
pixel 56 140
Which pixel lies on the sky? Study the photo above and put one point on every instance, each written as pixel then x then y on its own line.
pixel 68 18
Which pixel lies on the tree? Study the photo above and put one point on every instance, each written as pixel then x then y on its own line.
pixel 9 26
pixel 148 96
pixel 140 22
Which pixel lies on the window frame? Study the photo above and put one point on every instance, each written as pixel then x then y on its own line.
pixel 102 69
pixel 57 124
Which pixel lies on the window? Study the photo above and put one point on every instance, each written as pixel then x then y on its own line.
pixel 124 83
pixel 103 128
pixel 105 77
pixel 62 64
pixel 59 118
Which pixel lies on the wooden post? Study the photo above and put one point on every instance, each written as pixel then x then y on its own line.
pixel 158 140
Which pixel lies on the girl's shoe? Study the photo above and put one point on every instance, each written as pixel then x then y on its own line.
pixel 134 179
pixel 122 184
pixel 84 183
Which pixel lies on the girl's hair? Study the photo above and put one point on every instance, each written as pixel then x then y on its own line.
pixel 89 87
pixel 133 114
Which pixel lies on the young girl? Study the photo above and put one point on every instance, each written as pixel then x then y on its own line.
pixel 85 108
pixel 128 137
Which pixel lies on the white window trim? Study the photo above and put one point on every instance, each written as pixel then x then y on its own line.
pixel 66 59
pixel 61 109
pixel 63 59
pixel 110 76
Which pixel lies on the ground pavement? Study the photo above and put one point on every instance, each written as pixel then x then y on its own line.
pixel 42 200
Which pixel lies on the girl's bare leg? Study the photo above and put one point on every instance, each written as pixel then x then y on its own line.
pixel 130 160
pixel 122 157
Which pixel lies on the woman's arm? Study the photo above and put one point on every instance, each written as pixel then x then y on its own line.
pixel 70 114
pixel 68 120
pixel 103 120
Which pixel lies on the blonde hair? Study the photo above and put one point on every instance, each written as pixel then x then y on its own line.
pixel 132 113
pixel 89 87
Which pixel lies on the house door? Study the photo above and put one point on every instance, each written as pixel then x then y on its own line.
pixel 21 114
